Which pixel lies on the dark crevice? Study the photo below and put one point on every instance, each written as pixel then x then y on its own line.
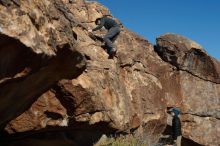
pixel 81 134
pixel 52 115
pixel 199 76
pixel 16 58
pixel 172 59
pixel 126 65
pixel 45 72
pixel 65 99
pixel 87 57
pixel 17 2
pixel 75 35
pixel 202 115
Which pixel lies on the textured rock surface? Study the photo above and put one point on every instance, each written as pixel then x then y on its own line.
pixel 187 55
pixel 196 88
pixel 38 59
pixel 127 94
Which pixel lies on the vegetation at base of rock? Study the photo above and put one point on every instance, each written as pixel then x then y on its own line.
pixel 122 141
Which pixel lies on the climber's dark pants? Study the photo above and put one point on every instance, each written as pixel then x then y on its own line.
pixel 110 38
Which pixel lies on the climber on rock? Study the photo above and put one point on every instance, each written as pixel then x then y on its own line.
pixel 176 126
pixel 112 34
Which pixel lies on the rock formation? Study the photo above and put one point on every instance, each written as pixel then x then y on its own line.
pixel 197 81
pixel 56 78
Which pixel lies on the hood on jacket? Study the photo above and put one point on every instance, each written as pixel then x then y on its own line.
pixel 176 111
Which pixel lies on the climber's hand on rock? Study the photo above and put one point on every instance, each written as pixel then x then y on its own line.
pixel 102 35
pixel 90 30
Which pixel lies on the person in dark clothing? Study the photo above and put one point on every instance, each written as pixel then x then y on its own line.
pixel 113 32
pixel 176 127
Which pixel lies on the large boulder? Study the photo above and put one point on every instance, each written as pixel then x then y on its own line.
pixel 193 86
pixel 187 55
pixel 58 85
pixel 33 57
pixel 124 94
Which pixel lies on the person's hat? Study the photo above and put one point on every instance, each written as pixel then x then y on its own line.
pixel 176 111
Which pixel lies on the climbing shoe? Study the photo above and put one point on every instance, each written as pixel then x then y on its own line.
pixel 112 53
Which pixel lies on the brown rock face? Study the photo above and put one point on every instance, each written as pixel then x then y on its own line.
pixel 57 83
pixel 189 56
pixel 124 94
pixel 31 60
pixel 196 84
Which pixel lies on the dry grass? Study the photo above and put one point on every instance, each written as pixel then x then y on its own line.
pixel 121 141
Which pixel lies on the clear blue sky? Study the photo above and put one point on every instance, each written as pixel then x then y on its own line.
pixel 198 20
